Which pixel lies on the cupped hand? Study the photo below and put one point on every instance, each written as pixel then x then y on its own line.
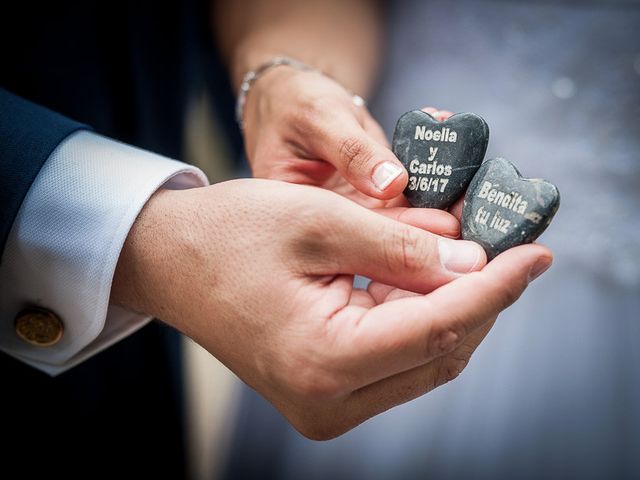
pixel 260 273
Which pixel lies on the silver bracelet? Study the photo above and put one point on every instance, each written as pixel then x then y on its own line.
pixel 252 75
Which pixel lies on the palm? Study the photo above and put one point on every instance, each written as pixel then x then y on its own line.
pixel 345 312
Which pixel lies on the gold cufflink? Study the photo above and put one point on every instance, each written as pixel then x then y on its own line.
pixel 39 327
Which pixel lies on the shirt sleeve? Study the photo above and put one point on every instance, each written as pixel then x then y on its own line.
pixel 64 244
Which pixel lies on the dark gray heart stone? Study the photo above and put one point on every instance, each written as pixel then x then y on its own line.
pixel 441 157
pixel 502 209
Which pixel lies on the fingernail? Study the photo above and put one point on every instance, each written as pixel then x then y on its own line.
pixel 541 266
pixel 385 173
pixel 459 256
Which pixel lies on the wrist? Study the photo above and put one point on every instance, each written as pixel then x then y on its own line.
pixel 142 273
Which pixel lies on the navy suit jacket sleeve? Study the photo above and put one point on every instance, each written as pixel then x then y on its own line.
pixel 28 135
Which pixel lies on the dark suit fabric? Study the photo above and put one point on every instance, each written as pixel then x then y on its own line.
pixel 124 69
pixel 28 135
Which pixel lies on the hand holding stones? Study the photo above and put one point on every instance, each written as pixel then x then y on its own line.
pixel 501 209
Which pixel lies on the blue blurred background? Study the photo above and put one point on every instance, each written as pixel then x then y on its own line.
pixel 554 391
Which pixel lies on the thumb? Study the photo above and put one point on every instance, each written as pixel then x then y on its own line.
pixel 368 165
pixel 398 254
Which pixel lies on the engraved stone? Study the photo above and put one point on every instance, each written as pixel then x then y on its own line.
pixel 502 209
pixel 441 157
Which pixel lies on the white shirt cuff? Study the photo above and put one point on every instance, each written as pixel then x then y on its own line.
pixel 66 239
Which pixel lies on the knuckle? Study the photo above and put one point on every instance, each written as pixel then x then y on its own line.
pixel 313 108
pixel 307 118
pixel 413 251
pixel 354 154
pixel 406 248
pixel 317 106
pixel 445 340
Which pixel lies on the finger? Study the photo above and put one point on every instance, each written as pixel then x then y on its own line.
pixel 440 115
pixel 296 170
pixel 430 110
pixel 374 129
pixel 366 243
pixel 289 162
pixel 378 397
pixel 381 292
pixel 357 297
pixel 399 201
pixel 407 333
pixel 456 208
pixel 429 219
pixel 364 162
pixel 361 298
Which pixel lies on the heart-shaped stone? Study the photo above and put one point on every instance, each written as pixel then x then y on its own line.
pixel 502 209
pixel 441 157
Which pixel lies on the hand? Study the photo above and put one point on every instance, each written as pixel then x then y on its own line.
pixel 260 273
pixel 303 127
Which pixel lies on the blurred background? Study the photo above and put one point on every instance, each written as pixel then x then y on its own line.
pixel 554 391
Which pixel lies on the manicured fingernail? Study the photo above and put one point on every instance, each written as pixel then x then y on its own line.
pixel 459 256
pixel 541 266
pixel 385 174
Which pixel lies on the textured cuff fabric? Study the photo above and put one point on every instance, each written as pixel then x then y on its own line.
pixel 64 244
pixel 29 133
